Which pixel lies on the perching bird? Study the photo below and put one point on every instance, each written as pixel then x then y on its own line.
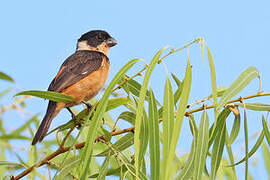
pixel 81 76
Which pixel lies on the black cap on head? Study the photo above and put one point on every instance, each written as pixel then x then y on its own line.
pixel 96 37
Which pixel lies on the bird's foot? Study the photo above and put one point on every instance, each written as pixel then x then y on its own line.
pixel 72 114
pixel 89 106
pixel 78 125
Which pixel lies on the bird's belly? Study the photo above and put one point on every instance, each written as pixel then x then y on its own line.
pixel 88 87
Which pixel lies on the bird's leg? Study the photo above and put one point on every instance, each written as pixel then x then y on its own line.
pixel 77 123
pixel 89 106
pixel 72 114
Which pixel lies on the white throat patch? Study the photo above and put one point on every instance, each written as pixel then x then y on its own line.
pixel 82 45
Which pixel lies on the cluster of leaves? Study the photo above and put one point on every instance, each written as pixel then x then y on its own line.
pixel 102 149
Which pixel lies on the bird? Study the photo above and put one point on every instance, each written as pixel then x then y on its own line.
pixel 81 76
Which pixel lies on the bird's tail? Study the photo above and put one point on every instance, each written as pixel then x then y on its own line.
pixel 52 110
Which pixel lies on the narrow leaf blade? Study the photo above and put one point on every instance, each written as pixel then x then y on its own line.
pixel 168 122
pixel 253 150
pixel 120 145
pixel 255 106
pixel 218 151
pixel 180 115
pixel 116 102
pixel 266 130
pixel 201 146
pixel 213 81
pixel 104 168
pixel 50 95
pixel 266 157
pixel 140 109
pixel 238 85
pixel 6 77
pixel 188 169
pixel 235 129
pixel 154 147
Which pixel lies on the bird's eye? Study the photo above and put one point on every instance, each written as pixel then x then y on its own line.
pixel 99 37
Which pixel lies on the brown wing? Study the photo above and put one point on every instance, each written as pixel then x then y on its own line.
pixel 76 67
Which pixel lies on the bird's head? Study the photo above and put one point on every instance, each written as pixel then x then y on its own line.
pixel 96 40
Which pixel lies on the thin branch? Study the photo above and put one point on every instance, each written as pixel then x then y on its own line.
pixel 127 79
pixel 197 40
pixel 231 101
pixel 199 101
pixel 14 105
pixel 67 135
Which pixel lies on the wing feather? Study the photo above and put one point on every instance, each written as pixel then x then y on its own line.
pixel 78 66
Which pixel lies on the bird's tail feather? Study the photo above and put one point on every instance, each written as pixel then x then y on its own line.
pixel 46 122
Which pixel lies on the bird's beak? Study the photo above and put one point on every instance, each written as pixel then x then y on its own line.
pixel 111 42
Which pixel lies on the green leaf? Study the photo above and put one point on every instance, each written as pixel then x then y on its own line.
pixel 50 95
pixel 25 125
pixel 154 148
pixel 8 163
pixel 21 161
pixel 235 129
pixel 253 150
pixel 107 134
pixel 127 168
pixel 133 87
pixel 67 166
pixel 220 123
pixel 225 172
pixel 246 143
pixel 32 158
pixel 120 145
pixel 178 92
pixel 202 48
pixel 95 122
pixel 3 93
pixel 110 172
pixel 168 122
pixel 13 136
pixel 220 91
pixel 104 168
pixel 192 125
pixel 132 170
pixel 201 146
pixel 2 129
pixel 218 151
pixel 188 169
pixel 255 106
pixel 231 156
pixel 132 106
pixel 266 158
pixel 140 110
pixel 238 85
pixel 178 82
pixel 180 115
pixel 116 102
pixel 128 116
pixel 213 81
pixel 176 95
pixel 6 77
pixel 266 130
pixel 63 127
pixel 144 136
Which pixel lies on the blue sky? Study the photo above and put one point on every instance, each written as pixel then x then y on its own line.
pixel 36 37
